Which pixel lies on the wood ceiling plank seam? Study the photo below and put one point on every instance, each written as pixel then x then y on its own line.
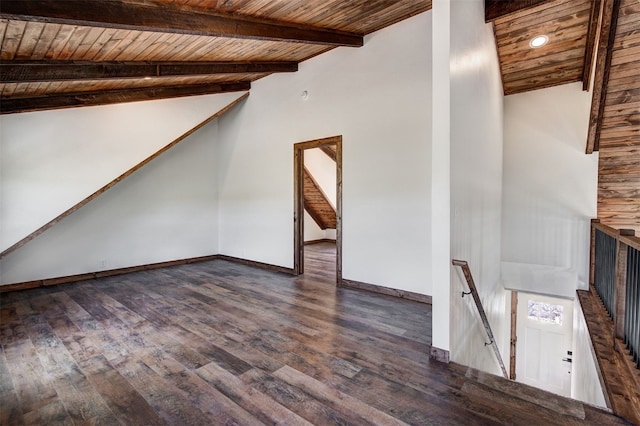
pixel 627 131
pixel 622 97
pixel 45 41
pixel 79 34
pixel 151 45
pixel 543 13
pixel 629 13
pixel 84 50
pixel 625 55
pixel 522 55
pixel 190 51
pixel 618 84
pixel 138 45
pixel 127 39
pixel 97 45
pixel 384 19
pixel 3 29
pixel 12 37
pixel 628 153
pixel 625 70
pixel 59 41
pixel 104 54
pixel 29 40
pixel 8 89
pixel 513 89
pixel 628 27
pixel 546 60
pixel 175 46
pixel 550 27
pixel 621 122
pixel 546 72
pixel 180 51
pixel 603 71
pixel 157 49
pixel 627 40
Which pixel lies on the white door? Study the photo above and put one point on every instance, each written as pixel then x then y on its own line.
pixel 544 331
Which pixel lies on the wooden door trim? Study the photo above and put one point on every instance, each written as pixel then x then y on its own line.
pixel 298 201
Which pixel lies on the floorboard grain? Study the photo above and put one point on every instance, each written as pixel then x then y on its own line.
pixel 219 342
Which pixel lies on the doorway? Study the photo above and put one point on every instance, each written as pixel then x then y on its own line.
pixel 333 144
pixel 545 341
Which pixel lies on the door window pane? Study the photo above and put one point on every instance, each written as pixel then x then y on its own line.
pixel 545 312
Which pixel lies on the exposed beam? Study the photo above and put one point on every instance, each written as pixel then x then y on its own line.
pixel 78 99
pixel 494 9
pixel 120 178
pixel 608 25
pixel 592 34
pixel 21 71
pixel 168 19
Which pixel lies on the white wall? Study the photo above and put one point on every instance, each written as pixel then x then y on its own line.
pixel 165 211
pixel 476 185
pixel 585 382
pixel 51 160
pixel 378 98
pixel 550 184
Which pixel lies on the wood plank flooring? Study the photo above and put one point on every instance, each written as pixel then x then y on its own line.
pixel 223 343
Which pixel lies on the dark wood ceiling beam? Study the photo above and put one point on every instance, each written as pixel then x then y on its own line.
pixel 21 71
pixel 609 21
pixel 592 34
pixel 167 19
pixel 494 9
pixel 79 99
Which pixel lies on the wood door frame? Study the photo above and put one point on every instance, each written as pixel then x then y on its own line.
pixel 298 201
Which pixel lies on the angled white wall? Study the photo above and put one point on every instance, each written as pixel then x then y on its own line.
pixel 378 98
pixel 476 185
pixel 323 169
pixel 550 184
pixel 165 211
pixel 51 160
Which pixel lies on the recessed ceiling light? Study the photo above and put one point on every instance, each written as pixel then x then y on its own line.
pixel 539 41
pixel 147 78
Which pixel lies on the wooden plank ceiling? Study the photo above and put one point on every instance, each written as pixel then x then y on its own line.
pixel 57 54
pixel 616 122
pixel 584 35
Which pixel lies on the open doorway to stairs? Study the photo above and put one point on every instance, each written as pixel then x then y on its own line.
pixel 327 215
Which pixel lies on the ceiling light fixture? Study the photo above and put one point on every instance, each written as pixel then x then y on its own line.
pixel 539 41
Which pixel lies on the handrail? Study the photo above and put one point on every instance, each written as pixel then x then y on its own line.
pixel 474 292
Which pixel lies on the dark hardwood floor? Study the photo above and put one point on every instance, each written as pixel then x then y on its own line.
pixel 223 343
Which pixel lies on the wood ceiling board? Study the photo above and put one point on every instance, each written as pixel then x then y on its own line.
pixel 556 11
pixel 355 16
pixel 561 61
pixel 149 17
pixel 117 45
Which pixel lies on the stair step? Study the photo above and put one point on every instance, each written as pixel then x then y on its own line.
pixel 556 403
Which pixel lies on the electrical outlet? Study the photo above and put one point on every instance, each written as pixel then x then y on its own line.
pixel 103 263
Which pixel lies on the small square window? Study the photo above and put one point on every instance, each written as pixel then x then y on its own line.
pixel 545 312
